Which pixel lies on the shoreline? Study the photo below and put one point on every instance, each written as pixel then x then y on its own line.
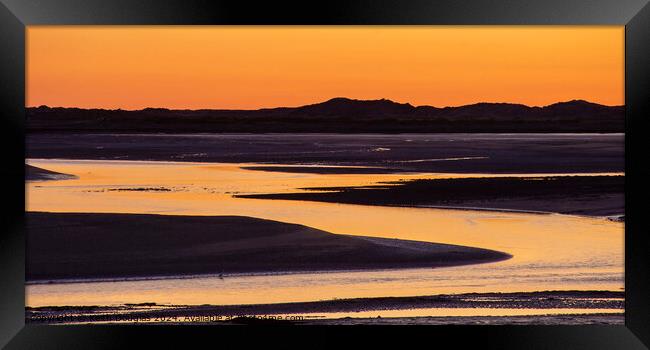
pixel 537 320
pixel 617 318
pixel 234 275
pixel 536 302
pixel 317 168
pixel 518 211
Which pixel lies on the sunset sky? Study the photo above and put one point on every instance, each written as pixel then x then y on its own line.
pixel 253 67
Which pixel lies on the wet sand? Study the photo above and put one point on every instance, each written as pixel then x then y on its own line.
pixel 577 195
pixel 611 304
pixel 80 245
pixel 298 169
pixel 537 320
pixel 569 320
pixel 432 153
pixel 33 173
pixel 491 154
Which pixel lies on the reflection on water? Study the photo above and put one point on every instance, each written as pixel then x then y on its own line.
pixel 551 252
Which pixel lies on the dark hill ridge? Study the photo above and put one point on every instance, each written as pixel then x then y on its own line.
pixel 341 106
pixel 339 115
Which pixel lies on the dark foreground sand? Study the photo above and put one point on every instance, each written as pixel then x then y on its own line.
pixel 568 319
pixel 538 320
pixel 578 195
pixel 33 173
pixel 80 245
pixel 313 312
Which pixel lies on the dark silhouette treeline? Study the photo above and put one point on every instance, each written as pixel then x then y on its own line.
pixel 340 115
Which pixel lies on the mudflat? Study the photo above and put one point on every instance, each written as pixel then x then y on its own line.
pixel 438 153
pixel 578 195
pixel 33 173
pixel 607 301
pixel 89 245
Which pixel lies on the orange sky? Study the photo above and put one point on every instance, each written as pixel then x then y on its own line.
pixel 251 67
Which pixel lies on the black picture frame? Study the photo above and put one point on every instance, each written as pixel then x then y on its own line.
pixel 15 15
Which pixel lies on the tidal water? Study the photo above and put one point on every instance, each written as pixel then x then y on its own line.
pixel 550 251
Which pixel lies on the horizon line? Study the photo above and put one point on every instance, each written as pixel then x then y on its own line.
pixel 324 101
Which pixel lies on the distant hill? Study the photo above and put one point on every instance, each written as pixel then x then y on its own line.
pixel 339 115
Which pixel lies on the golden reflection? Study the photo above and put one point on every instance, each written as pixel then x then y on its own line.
pixel 551 252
